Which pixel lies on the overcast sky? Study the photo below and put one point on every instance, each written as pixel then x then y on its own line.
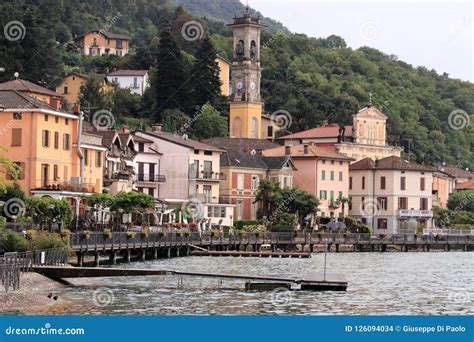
pixel 435 34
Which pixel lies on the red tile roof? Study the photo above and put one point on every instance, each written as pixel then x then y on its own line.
pixel 313 151
pixel 13 99
pixel 27 86
pixel 389 163
pixel 331 131
pixel 107 34
pixel 240 144
pixel 128 72
pixel 469 185
pixel 456 172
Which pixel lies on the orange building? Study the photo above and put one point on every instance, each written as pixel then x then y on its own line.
pixel 47 145
pixel 101 42
pixel 443 186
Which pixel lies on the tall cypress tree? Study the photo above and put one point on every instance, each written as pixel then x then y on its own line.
pixel 27 42
pixel 170 81
pixel 205 75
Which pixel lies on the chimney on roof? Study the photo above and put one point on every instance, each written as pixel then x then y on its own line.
pixel 305 149
pixel 288 150
pixel 156 127
pixel 55 103
pixel 125 129
pixel 77 108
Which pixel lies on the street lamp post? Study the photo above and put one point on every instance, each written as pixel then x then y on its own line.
pixel 51 207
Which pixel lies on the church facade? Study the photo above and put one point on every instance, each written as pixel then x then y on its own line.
pixel 366 138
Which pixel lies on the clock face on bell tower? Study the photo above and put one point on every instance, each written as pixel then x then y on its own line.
pixel 245 73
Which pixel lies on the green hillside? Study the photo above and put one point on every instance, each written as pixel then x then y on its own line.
pixel 312 78
pixel 224 11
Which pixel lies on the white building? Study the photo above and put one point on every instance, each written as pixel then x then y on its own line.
pixel 147 177
pixel 135 80
pixel 391 194
pixel 193 177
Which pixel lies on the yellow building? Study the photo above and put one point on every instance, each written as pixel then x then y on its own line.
pixel 70 86
pixel 224 74
pixel 47 145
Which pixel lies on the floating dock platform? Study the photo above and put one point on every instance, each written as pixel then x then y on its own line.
pixel 252 254
pixel 309 282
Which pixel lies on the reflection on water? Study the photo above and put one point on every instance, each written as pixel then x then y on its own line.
pixel 379 283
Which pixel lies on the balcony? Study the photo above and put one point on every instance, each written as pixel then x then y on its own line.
pixel 205 175
pixel 70 186
pixel 414 213
pixel 152 178
pixel 118 176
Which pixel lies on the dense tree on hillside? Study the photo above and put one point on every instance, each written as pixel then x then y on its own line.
pixel 28 42
pixel 462 201
pixel 175 121
pixel 315 79
pixel 170 82
pixel 209 123
pixel 205 81
pixel 124 102
pixel 92 98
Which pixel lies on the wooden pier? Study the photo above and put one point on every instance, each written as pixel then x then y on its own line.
pixel 252 254
pixel 309 282
pixel 158 245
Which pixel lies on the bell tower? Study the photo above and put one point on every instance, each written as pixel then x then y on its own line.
pixel 245 73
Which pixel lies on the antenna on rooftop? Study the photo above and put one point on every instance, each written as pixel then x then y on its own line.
pixel 16 75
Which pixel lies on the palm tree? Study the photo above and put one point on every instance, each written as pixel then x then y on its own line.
pixel 342 201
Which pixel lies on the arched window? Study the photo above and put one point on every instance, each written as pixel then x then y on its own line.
pixel 239 49
pixel 254 128
pixel 237 127
pixel 253 49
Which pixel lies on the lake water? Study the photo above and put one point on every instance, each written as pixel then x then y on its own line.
pixel 436 283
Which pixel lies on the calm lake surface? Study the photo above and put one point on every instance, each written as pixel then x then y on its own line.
pixel 436 283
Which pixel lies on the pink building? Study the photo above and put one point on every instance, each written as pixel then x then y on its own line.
pixel 320 171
